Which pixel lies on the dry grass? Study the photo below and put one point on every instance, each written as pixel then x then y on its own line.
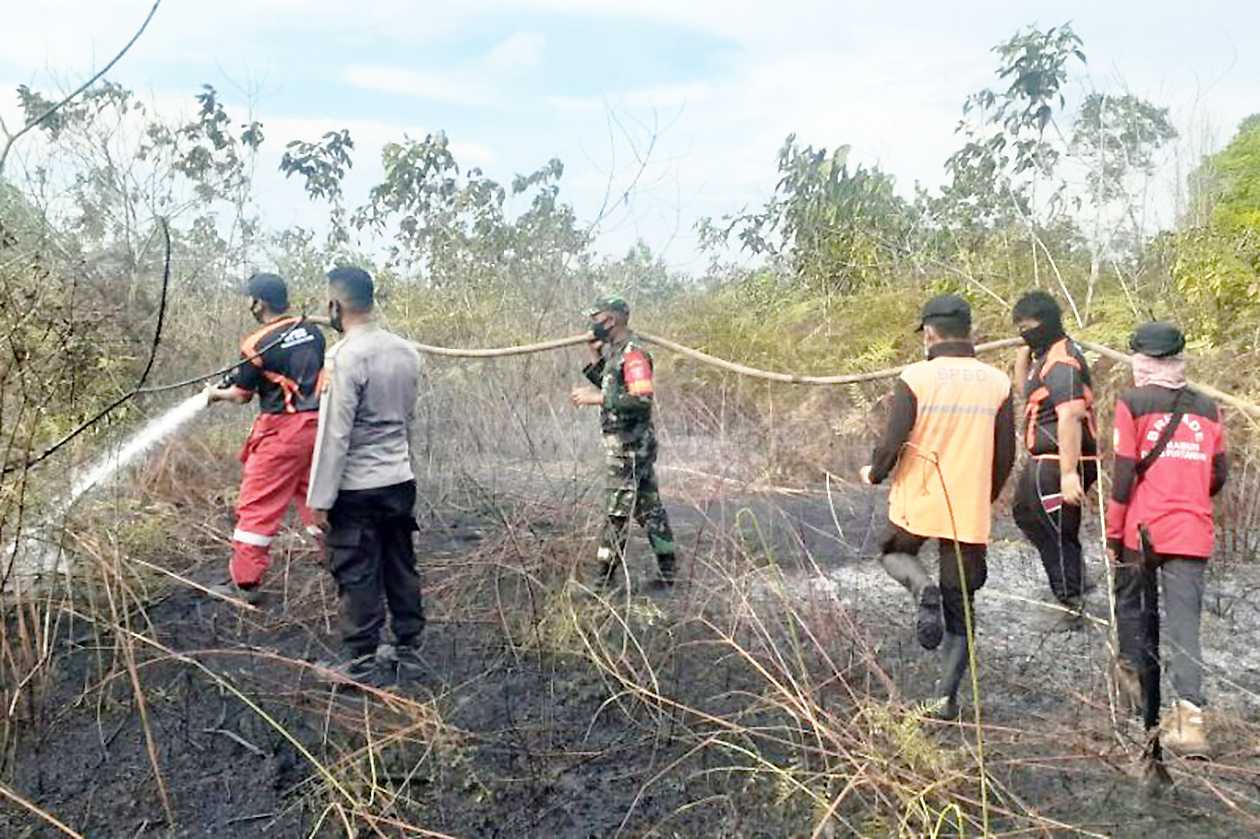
pixel 757 702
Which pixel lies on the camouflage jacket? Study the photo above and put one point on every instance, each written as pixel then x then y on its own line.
pixel 624 376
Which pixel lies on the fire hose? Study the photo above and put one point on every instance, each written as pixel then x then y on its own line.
pixel 1249 409
pixel 793 378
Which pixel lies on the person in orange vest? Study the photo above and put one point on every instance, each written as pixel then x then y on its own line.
pixel 1060 434
pixel 281 363
pixel 948 447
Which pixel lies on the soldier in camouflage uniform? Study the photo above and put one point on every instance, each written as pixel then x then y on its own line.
pixel 620 372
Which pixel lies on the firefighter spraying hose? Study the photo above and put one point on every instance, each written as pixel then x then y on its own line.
pixel 276 458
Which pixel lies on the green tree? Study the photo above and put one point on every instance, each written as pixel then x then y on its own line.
pixel 836 226
pixel 1217 262
pixel 1007 169
pixel 1115 139
pixel 1007 153
pixel 1230 180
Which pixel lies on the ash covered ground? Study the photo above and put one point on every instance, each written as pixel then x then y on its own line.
pixel 549 713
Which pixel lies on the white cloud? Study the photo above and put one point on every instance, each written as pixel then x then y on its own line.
pixel 575 103
pixel 452 88
pixel 665 96
pixel 518 51
pixel 670 95
pixel 475 83
pixel 888 79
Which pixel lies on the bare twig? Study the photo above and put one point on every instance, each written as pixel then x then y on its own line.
pixel 10 139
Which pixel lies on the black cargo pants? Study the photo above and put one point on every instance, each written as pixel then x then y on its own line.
pixel 372 557
pixel 1054 528
pixel 958 585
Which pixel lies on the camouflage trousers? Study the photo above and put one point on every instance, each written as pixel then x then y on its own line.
pixel 632 493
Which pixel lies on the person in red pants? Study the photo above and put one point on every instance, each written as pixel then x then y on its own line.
pixel 282 363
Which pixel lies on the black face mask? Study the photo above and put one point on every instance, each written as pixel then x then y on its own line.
pixel 600 330
pixel 256 309
pixel 1041 336
pixel 334 316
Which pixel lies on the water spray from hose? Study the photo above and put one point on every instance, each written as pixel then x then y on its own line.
pixel 35 554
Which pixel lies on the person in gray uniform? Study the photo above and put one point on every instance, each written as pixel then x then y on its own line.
pixel 362 487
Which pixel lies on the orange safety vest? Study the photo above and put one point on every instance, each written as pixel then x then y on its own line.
pixel 950 450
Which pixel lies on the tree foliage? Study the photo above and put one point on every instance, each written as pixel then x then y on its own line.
pixel 1115 137
pixel 1217 263
pixel 835 225
pixel 1007 151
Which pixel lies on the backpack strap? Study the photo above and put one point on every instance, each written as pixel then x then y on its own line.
pixel 1165 436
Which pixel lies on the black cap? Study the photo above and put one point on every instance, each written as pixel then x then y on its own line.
pixel 1158 339
pixel 270 289
pixel 945 306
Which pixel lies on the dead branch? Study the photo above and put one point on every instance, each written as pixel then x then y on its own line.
pixel 10 139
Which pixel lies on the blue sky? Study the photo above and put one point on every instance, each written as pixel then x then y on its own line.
pixel 719 84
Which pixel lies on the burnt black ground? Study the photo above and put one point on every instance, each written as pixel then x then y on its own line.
pixel 535 741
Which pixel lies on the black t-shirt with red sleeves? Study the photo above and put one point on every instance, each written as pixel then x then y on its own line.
pixel 286 373
pixel 1057 377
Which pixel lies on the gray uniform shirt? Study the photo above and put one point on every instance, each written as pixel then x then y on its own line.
pixel 371 377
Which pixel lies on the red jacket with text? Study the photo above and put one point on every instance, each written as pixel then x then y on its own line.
pixel 1173 499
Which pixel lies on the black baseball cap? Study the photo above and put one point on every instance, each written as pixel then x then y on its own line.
pixel 1158 339
pixel 945 306
pixel 270 289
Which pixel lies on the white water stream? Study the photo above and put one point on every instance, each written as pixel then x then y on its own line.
pixel 37 555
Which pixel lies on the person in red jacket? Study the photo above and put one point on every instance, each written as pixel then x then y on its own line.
pixel 281 363
pixel 1160 518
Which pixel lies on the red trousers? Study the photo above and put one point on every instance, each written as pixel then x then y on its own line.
pixel 277 459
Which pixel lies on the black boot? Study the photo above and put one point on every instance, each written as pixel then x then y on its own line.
pixel 356 671
pixel 1072 618
pixel 926 597
pixel 410 666
pixel 608 577
pixel 251 594
pixel 666 564
pixel 954 661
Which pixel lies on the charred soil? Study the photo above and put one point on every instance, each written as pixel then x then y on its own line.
pixel 775 691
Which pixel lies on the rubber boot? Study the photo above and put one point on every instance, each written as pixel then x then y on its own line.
pixel 954 661
pixel 1181 730
pixel 252 594
pixel 1074 617
pixel 1128 687
pixel 666 565
pixel 925 595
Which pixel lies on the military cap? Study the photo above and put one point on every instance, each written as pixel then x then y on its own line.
pixel 613 303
